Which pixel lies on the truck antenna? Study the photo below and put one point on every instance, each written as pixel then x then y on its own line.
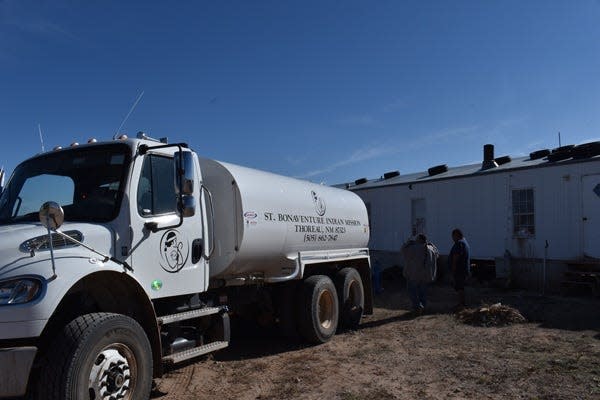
pixel 559 142
pixel 41 137
pixel 128 114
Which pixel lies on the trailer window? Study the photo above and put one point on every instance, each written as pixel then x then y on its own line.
pixel 523 212
pixel 156 189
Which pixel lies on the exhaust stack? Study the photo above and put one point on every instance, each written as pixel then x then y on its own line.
pixel 488 157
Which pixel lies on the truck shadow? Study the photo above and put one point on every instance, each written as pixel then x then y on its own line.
pixel 255 345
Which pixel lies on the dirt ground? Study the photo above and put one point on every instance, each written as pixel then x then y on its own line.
pixel 556 355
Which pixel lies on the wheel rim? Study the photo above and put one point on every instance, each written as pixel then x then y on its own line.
pixel 113 375
pixel 326 309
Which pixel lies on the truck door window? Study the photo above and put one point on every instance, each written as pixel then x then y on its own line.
pixel 156 189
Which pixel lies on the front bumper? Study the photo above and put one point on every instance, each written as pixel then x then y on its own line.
pixel 15 365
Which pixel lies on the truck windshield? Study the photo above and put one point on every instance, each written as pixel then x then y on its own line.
pixel 86 182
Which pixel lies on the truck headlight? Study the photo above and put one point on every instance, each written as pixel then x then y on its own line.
pixel 19 291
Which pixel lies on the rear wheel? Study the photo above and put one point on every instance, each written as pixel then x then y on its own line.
pixel 98 356
pixel 351 296
pixel 319 309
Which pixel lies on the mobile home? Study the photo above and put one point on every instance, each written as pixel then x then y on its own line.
pixel 531 218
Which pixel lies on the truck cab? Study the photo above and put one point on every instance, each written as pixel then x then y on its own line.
pixel 120 258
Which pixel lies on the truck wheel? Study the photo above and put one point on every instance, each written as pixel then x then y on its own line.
pixel 351 296
pixel 98 356
pixel 319 309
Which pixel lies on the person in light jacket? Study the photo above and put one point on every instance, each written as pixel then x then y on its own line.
pixel 420 269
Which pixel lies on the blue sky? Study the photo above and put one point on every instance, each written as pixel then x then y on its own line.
pixel 328 91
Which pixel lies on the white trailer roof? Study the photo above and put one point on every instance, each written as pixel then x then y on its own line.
pixel 463 171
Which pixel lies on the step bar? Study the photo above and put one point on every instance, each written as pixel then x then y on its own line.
pixel 195 352
pixel 182 316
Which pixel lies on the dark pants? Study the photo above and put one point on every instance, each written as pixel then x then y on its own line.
pixel 418 294
pixel 459 282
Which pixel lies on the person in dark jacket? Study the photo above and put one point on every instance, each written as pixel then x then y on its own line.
pixel 459 261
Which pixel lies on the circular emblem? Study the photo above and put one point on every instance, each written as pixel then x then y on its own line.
pixel 174 251
pixel 320 206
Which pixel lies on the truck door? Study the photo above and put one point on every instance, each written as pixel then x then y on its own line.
pixel 591 215
pixel 166 249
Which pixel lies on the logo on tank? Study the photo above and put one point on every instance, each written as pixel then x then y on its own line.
pixel 250 217
pixel 174 251
pixel 320 206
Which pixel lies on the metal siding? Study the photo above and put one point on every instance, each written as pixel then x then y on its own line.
pixel 481 206
pixel 590 213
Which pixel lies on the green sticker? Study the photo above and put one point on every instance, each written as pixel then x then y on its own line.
pixel 156 284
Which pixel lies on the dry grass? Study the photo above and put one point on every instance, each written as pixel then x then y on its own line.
pixel 393 356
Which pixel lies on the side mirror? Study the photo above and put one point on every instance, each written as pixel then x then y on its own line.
pixel 1 180
pixel 184 172
pixel 51 215
pixel 184 178
pixel 188 206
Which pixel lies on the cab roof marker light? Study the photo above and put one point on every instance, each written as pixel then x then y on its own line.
pixel 92 140
pixel 74 144
pixel 57 148
pixel 122 137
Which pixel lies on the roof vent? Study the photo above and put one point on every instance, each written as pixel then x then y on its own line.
pixel 503 160
pixel 361 181
pixel 488 157
pixel 438 169
pixel 536 155
pixel 586 150
pixel 563 148
pixel 561 153
pixel 391 174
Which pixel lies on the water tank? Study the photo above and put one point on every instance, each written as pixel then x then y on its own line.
pixel 262 220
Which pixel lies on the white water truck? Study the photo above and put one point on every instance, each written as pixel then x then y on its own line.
pixel 119 258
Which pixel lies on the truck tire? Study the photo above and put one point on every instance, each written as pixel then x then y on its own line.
pixel 319 309
pixel 351 296
pixel 98 356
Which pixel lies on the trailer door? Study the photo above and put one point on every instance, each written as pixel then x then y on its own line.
pixel 591 215
pixel 418 212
